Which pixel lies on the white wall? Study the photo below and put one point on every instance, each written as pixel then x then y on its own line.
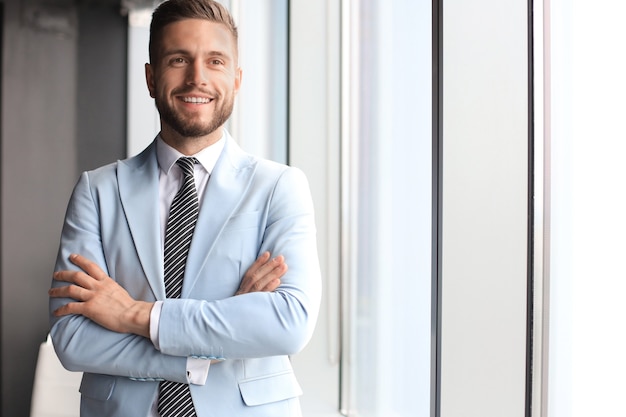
pixel 485 149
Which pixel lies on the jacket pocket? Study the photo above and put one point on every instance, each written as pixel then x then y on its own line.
pixel 270 388
pixel 97 387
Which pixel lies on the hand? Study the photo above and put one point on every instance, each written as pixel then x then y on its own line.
pixel 101 299
pixel 264 274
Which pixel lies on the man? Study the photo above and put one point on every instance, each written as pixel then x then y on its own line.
pixel 224 339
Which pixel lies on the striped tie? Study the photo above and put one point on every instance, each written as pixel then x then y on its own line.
pixel 174 397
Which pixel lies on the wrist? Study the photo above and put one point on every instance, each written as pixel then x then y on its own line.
pixel 138 318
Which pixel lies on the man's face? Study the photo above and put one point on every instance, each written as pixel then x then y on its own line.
pixel 195 78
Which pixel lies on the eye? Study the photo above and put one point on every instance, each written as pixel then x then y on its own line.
pixel 178 61
pixel 216 61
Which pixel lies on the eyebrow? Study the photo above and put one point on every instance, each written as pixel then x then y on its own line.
pixel 187 52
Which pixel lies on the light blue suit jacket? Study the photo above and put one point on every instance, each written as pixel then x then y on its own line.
pixel 250 206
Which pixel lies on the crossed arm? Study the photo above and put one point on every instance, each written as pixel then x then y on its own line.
pixel 101 299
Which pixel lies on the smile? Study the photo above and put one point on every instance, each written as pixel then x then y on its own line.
pixel 196 100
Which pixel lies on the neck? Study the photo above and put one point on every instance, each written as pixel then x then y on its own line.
pixel 190 145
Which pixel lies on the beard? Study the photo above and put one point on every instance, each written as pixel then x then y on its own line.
pixel 191 127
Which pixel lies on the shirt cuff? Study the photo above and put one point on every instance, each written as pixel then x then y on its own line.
pixel 197 370
pixel 155 317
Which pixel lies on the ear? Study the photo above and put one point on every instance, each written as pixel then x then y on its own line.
pixel 150 80
pixel 238 78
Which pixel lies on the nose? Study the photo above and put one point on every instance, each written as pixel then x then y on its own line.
pixel 197 74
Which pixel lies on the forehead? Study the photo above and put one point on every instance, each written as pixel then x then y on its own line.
pixel 198 35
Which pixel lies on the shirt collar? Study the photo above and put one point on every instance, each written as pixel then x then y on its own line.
pixel 167 156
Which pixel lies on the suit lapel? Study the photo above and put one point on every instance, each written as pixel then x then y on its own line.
pixel 138 180
pixel 227 185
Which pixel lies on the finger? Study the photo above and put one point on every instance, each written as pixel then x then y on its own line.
pixel 69 291
pixel 271 279
pixel 260 261
pixel 254 272
pixel 272 285
pixel 65 276
pixel 67 309
pixel 91 268
pixel 73 277
pixel 277 272
pixel 269 266
pixel 259 276
pixel 68 276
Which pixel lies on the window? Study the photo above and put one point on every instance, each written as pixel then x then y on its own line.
pixel 388 222
pixel 585 228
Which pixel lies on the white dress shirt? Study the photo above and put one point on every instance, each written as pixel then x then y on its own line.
pixel 170 181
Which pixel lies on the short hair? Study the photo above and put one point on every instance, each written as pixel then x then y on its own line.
pixel 172 11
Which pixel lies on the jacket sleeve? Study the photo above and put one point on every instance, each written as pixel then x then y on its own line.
pixel 264 323
pixel 81 344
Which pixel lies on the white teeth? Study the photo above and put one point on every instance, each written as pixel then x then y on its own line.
pixel 195 100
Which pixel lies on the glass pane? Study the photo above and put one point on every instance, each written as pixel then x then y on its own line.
pixel 259 121
pixel 392 285
pixel 587 225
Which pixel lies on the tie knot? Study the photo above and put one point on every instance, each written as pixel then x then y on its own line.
pixel 186 164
